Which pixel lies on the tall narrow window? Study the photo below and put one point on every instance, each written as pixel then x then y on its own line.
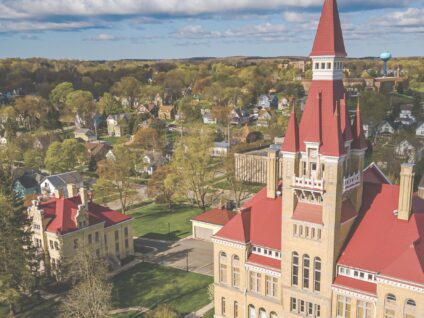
pixel 295 269
pixel 343 306
pixel 306 268
pixel 223 306
pixel 236 271
pixel 293 304
pixel 410 309
pixel 236 310
pixel 390 306
pixel 262 313
pixel 317 274
pixel 363 309
pixel 223 267
pixel 252 312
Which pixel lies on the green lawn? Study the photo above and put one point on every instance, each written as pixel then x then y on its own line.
pixel 34 308
pixel 149 285
pixel 155 220
pixel 209 314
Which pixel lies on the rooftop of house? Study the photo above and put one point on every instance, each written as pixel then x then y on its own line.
pixel 63 211
pixel 215 216
pixel 62 179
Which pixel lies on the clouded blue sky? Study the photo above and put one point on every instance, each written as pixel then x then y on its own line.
pixel 118 29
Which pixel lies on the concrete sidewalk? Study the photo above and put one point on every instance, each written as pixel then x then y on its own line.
pixel 200 313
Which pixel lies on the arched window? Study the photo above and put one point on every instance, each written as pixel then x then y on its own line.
pixel 252 312
pixel 262 313
pixel 273 315
pixel 317 274
pixel 236 310
pixel 410 309
pixel 223 267
pixel 223 309
pixel 390 306
pixel 236 271
pixel 295 269
pixel 306 267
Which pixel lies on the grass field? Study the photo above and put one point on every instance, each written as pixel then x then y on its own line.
pixel 156 220
pixel 149 285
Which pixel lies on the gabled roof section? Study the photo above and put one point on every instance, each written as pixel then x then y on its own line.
pixel 215 216
pixel 291 140
pixel 238 229
pixel 373 174
pixel 329 36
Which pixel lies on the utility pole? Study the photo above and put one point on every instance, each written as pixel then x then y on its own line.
pixel 187 261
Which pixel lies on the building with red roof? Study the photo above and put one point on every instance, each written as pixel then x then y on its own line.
pixel 62 225
pixel 207 224
pixel 329 238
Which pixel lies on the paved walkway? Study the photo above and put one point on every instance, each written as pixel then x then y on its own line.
pixel 124 310
pixel 201 312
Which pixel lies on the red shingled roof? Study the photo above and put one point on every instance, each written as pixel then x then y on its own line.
pixel 329 36
pixel 215 216
pixel 383 244
pixel 264 261
pixel 308 213
pixel 63 212
pixel 373 174
pixel 356 284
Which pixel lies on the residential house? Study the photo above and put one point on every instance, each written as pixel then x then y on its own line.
pixel 208 117
pixel 239 117
pixel 268 101
pixel 419 132
pixel 43 142
pixel 61 226
pixel 117 125
pixel 220 149
pixel 167 112
pixel 406 117
pixel 110 155
pixel 385 128
pixel 152 160
pixel 264 117
pixel 3 141
pixel 284 103
pixel 369 130
pixel 321 242
pixel 61 183
pixel 149 108
pixel 85 134
pixel 411 150
pixel 97 150
pixel 26 185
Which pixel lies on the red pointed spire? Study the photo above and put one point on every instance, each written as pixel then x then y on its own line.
pixel 345 120
pixel 291 140
pixel 359 141
pixel 336 147
pixel 329 36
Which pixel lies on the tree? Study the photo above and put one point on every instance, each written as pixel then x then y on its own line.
pixel 161 185
pixel 194 166
pixel 163 311
pixel 58 95
pixel 128 87
pixel 109 105
pixel 33 110
pixel 115 176
pixel 91 294
pixel 81 104
pixel 65 156
pixel 190 112
pixel 148 139
pixel 18 262
pixel 34 158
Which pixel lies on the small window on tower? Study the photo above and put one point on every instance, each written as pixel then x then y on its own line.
pixel 329 65
pixel 323 65
pixel 317 66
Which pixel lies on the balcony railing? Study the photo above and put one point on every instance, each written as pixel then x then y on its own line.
pixel 308 183
pixel 351 182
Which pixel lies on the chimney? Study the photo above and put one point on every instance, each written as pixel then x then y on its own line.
pixel 405 191
pixel 58 193
pixel 272 174
pixel 72 189
pixel 83 196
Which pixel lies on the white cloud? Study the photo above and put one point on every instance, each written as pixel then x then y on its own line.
pixel 105 37
pixel 21 26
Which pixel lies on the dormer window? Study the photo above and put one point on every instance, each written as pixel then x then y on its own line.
pixel 329 65
pixel 317 66
pixel 323 65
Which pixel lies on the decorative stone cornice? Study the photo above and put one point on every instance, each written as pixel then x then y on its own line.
pixel 354 294
pixel 263 270
pixel 400 284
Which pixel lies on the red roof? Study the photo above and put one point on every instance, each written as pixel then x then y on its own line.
pixel 215 216
pixel 372 174
pixel 63 212
pixel 356 284
pixel 383 244
pixel 329 36
pixel 264 261
pixel 308 213
pixel 291 140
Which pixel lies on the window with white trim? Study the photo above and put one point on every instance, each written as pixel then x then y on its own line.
pixel 252 311
pixel 317 274
pixel 410 310
pixel 222 267
pixel 295 269
pixel 255 282
pixel 306 268
pixel 236 271
pixel 364 309
pixel 343 306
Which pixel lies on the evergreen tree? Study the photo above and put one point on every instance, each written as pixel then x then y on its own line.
pixel 18 262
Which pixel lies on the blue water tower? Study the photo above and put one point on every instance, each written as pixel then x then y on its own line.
pixel 385 57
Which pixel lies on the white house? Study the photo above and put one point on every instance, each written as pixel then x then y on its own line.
pixel 153 160
pixel 3 141
pixel 385 128
pixel 60 183
pixel 405 115
pixel 220 149
pixel 409 150
pixel 264 117
pixel 85 134
pixel 117 125
pixel 419 132
pixel 268 101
